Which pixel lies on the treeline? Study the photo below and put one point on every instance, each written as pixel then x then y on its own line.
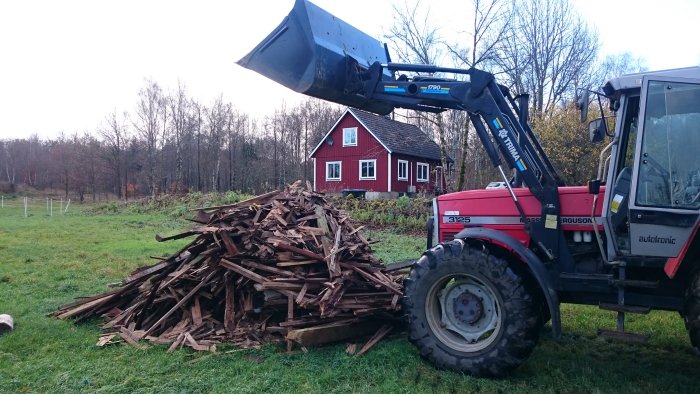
pixel 171 143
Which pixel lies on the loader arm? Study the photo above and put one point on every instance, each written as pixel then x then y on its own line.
pixel 317 54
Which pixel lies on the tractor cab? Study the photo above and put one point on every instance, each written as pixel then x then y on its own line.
pixel 653 168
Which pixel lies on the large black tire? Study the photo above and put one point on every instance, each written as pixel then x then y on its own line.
pixel 466 273
pixel 692 312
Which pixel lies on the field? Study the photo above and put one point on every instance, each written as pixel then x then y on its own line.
pixel 47 261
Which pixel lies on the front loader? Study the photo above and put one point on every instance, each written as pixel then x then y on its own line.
pixel 499 262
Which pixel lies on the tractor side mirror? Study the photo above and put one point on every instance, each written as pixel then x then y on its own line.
pixel 597 129
pixel 582 104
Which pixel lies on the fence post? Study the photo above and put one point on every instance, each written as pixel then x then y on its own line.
pixel 25 206
pixel 2 199
pixel 61 204
pixel 67 205
pixel 51 211
pixel 47 205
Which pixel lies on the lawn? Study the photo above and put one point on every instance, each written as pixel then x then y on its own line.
pixel 47 261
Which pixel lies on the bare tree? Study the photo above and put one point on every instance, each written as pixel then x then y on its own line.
pixel 416 41
pixel 490 27
pixel 617 64
pixel 148 123
pixel 218 117
pixel 114 136
pixel 548 50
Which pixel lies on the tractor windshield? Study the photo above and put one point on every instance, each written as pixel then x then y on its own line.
pixel 669 170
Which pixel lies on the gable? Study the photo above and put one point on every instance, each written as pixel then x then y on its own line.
pixel 396 137
pixel 338 139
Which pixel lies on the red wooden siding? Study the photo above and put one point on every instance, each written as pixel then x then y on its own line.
pixel 368 148
pixel 402 186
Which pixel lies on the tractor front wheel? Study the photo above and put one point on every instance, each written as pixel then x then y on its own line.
pixel 692 312
pixel 469 311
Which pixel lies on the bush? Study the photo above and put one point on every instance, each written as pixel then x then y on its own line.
pixel 405 214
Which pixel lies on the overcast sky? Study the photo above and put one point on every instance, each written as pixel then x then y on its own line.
pixel 65 65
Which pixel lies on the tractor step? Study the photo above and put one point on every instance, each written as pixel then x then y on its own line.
pixel 642 310
pixel 624 336
pixel 647 284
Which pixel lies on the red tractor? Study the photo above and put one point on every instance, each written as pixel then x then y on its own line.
pixel 499 262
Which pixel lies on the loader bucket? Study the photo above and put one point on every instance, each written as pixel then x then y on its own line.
pixel 314 53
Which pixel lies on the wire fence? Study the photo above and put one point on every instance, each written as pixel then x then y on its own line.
pixel 35 206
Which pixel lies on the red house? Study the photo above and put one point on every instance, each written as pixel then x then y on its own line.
pixel 364 151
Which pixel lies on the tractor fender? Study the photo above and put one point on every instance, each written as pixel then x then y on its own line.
pixel 534 264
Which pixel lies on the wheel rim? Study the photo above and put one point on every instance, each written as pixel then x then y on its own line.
pixel 463 312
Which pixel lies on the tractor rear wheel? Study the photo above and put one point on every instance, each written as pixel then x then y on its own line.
pixel 692 312
pixel 468 311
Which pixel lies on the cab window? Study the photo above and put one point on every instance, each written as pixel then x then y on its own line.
pixel 669 167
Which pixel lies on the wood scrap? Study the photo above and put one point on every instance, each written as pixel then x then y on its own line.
pixel 285 266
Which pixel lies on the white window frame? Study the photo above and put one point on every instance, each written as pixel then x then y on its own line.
pixel 398 170
pixel 346 132
pixel 340 170
pixel 374 166
pixel 427 172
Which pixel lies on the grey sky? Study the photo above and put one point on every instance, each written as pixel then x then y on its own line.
pixel 65 65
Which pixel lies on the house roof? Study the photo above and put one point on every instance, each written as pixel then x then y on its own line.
pixel 396 137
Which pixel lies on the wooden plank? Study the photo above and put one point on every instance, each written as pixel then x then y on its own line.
pixel 322 222
pixel 332 332
pixel 196 312
pixel 228 243
pixel 294 249
pixel 230 306
pixel 186 234
pixel 371 278
pixel 147 271
pixel 105 339
pixel 242 271
pixel 332 258
pixel 85 307
pixel 263 267
pixel 302 293
pixel 181 302
pixel 375 338
pixel 296 263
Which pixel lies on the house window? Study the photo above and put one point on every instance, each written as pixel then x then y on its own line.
pixel 368 169
pixel 422 173
pixel 333 170
pixel 350 136
pixel 403 170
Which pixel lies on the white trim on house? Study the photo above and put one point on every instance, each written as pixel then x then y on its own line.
pixel 348 129
pixel 427 172
pixel 389 173
pixel 398 170
pixel 374 167
pixel 340 170
pixel 314 161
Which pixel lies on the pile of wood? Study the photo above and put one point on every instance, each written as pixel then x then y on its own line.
pixel 285 265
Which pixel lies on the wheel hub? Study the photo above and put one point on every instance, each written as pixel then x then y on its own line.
pixel 467 308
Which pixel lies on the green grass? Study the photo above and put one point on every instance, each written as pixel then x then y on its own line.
pixel 45 262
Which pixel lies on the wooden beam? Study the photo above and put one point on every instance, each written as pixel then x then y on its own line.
pixel 332 332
